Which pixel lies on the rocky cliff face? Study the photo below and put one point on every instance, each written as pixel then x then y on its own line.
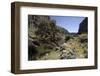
pixel 35 20
pixel 83 27
pixel 44 27
pixel 43 35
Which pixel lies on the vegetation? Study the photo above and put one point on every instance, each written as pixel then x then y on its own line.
pixel 48 33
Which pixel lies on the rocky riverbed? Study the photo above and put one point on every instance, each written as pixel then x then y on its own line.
pixel 74 48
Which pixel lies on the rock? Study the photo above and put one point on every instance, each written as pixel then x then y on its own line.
pixel 83 27
pixel 63 55
pixel 46 56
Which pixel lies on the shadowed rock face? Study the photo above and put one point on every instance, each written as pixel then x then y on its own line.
pixel 83 28
pixel 46 30
pixel 35 20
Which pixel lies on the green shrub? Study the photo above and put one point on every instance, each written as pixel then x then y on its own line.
pixel 67 38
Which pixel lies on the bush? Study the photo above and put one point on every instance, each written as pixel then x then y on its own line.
pixel 67 38
pixel 32 52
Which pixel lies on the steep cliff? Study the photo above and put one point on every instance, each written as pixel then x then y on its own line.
pixel 83 27
pixel 43 35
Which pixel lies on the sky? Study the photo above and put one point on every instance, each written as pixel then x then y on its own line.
pixel 71 23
